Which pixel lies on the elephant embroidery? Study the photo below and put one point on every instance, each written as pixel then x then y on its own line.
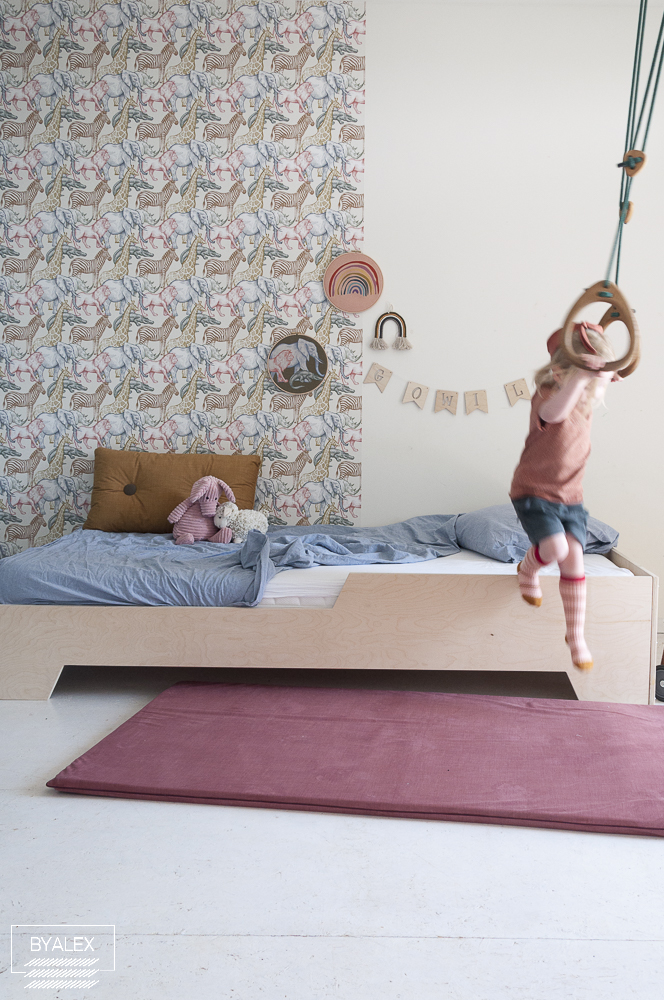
pixel 303 358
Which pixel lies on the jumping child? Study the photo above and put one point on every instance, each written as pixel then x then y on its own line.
pixel 547 486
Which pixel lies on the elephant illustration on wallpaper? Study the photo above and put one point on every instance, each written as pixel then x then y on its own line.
pixel 256 157
pixel 53 86
pixel 318 428
pixel 117 427
pixel 174 180
pixel 55 492
pixel 49 17
pixel 269 492
pixel 257 19
pixel 118 361
pixel 119 18
pixel 118 89
pixel 185 361
pixel 53 224
pixel 189 225
pixel 328 18
pixel 186 427
pixel 188 17
pixel 9 489
pixel 53 155
pixel 120 157
pixel 249 89
pixel 256 224
pixel 119 293
pixel 121 226
pixel 46 359
pixel 321 495
pixel 254 427
pixel 51 427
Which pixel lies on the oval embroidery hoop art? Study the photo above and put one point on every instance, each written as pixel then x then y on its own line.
pixel 297 364
pixel 353 282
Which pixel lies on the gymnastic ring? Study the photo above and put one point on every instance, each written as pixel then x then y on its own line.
pixel 610 317
pixel 605 292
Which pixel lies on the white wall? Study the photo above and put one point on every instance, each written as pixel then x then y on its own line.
pixel 493 134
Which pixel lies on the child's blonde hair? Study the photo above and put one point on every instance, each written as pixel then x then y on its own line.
pixel 545 376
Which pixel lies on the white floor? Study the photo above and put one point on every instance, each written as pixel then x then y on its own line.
pixel 244 904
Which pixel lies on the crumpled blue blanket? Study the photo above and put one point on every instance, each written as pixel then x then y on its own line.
pixel 97 567
pixel 416 540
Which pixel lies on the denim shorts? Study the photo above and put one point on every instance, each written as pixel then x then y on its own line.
pixel 541 518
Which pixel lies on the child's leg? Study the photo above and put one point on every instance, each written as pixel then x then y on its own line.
pixel 573 594
pixel 550 548
pixel 528 573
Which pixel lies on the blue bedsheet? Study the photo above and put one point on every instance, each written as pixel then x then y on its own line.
pixel 97 567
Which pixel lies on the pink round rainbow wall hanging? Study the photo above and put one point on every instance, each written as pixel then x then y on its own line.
pixel 353 282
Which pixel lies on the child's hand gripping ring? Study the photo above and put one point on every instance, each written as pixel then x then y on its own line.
pixel 608 293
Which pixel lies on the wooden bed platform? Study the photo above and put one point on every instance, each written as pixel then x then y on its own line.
pixel 379 621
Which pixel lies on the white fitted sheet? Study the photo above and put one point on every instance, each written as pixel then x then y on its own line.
pixel 320 586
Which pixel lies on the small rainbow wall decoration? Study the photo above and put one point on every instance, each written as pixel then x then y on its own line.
pixel 353 282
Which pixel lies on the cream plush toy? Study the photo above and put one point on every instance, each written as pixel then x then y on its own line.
pixel 240 522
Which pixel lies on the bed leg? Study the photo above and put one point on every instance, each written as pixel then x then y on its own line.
pixel 621 686
pixel 28 682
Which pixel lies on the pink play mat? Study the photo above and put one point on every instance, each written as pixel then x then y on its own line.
pixel 468 758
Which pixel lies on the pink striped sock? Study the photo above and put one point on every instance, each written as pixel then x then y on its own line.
pixel 573 594
pixel 528 571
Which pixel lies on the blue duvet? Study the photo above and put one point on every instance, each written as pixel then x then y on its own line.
pixel 97 567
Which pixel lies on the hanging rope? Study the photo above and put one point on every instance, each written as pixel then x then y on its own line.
pixel 636 71
pixel 634 153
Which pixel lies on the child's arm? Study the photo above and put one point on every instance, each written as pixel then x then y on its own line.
pixel 560 404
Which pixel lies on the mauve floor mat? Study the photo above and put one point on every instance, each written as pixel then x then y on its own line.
pixel 424 755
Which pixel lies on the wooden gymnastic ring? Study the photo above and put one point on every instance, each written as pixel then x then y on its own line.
pixel 606 320
pixel 619 310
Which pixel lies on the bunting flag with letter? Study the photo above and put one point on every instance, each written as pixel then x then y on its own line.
pixel 517 390
pixel 379 375
pixel 476 401
pixel 416 393
pixel 446 401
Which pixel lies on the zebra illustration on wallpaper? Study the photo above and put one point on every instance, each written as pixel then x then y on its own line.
pixel 174 181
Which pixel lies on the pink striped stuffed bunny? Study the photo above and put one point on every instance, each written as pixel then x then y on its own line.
pixel 193 519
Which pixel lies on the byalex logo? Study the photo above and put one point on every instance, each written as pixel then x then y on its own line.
pixel 62 956
pixel 58 943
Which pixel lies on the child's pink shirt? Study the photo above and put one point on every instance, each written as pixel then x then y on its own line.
pixel 554 457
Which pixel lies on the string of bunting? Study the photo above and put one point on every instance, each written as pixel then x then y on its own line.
pixel 445 399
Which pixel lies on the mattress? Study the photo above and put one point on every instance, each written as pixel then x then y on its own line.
pixel 320 586
pixel 136 568
pixel 282 570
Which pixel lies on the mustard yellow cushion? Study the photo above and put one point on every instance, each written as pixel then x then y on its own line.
pixel 136 491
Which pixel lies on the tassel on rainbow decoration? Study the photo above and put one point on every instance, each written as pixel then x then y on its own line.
pixel 378 343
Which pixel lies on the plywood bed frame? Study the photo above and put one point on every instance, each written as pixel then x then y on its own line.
pixel 379 621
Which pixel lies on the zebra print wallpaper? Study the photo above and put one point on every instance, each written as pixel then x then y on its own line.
pixel 174 182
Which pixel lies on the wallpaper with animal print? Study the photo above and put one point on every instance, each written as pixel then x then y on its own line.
pixel 174 181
